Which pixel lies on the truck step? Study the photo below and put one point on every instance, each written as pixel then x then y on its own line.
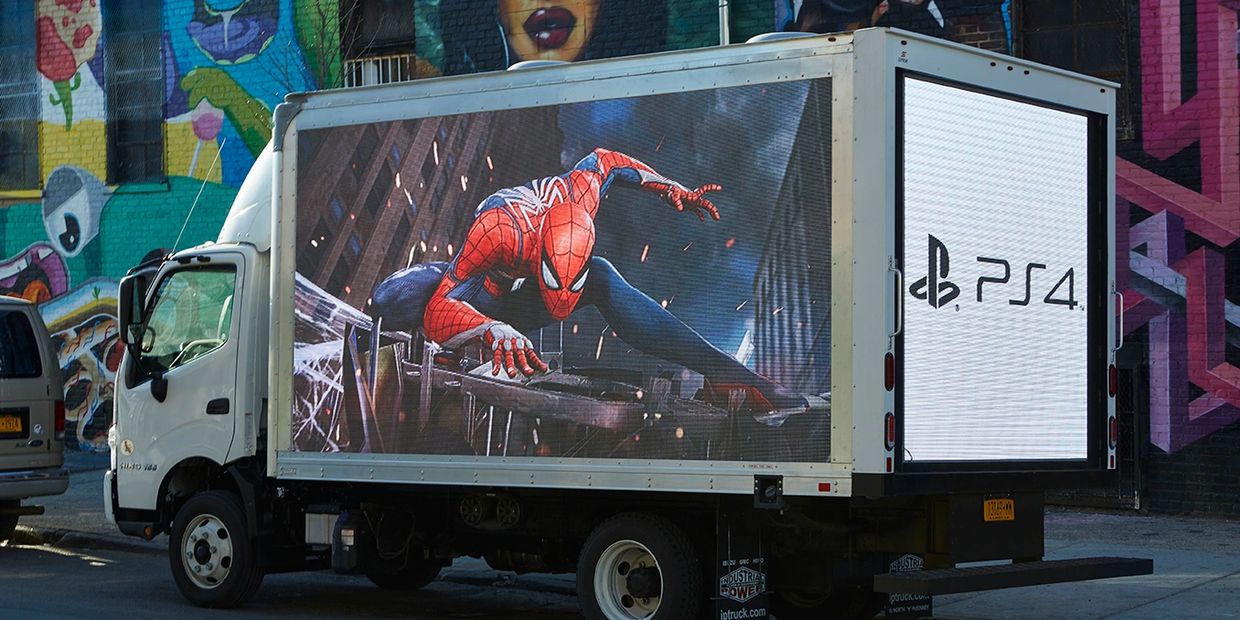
pixel 992 577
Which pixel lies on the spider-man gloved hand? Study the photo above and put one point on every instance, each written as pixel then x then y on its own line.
pixel 692 200
pixel 511 351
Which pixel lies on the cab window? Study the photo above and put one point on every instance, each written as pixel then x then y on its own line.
pixel 19 350
pixel 191 316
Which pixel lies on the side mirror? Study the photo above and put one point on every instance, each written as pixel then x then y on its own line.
pixel 130 308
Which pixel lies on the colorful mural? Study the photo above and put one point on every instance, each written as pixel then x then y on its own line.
pixel 226 64
pixel 1182 190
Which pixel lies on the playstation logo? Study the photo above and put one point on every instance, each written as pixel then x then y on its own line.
pixel 935 287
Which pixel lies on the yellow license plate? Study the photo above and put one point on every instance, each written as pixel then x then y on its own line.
pixel 999 510
pixel 10 424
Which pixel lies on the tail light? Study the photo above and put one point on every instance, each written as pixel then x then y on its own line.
pixel 890 435
pixel 889 372
pixel 60 420
pixel 1112 380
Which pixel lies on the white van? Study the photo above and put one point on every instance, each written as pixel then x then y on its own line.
pixel 32 414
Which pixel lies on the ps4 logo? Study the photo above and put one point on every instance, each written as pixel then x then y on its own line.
pixel 936 290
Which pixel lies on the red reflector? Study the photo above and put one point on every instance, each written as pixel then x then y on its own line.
pixel 891 431
pixel 889 372
pixel 1113 432
pixel 824 487
pixel 60 419
pixel 889 464
pixel 1112 462
pixel 1112 380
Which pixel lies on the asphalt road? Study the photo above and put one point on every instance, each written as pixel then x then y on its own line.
pixel 43 581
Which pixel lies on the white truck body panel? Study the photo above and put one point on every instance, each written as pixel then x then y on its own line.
pixel 864 69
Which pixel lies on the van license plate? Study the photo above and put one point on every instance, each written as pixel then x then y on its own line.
pixel 999 510
pixel 11 424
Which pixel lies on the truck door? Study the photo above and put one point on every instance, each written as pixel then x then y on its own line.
pixel 180 395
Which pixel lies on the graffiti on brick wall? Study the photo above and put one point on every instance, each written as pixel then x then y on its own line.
pixel 68 36
pixel 68 253
pixel 967 21
pixel 466 36
pixel 227 64
pixel 1187 198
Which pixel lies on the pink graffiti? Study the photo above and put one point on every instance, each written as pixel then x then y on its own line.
pixel 1187 346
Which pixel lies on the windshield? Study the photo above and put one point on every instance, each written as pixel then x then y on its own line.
pixel 191 316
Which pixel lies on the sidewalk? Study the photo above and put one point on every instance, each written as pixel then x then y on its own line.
pixel 1196 560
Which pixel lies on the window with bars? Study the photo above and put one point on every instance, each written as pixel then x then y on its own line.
pixel 134 78
pixel 378 41
pixel 1086 36
pixel 19 98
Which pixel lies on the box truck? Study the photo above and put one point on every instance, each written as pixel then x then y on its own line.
pixel 738 331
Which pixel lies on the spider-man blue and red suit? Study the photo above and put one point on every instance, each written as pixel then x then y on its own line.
pixel 527 262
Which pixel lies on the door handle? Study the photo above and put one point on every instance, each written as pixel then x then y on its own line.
pixel 218 406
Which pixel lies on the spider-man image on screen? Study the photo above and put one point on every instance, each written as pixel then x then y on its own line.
pixel 644 277
pixel 527 262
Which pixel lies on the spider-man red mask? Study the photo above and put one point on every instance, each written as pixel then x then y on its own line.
pixel 567 242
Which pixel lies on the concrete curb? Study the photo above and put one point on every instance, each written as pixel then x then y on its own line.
pixel 83 541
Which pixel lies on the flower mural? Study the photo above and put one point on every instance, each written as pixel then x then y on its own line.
pixel 68 36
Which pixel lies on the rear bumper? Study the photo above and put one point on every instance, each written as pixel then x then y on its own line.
pixel 993 577
pixel 33 483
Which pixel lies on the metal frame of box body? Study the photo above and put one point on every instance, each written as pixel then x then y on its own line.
pixel 862 66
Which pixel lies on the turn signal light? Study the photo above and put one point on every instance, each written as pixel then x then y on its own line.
pixel 1112 380
pixel 60 420
pixel 889 372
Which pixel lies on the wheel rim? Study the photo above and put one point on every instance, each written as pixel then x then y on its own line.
pixel 613 578
pixel 206 551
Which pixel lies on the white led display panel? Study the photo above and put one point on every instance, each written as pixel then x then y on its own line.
pixel 995 248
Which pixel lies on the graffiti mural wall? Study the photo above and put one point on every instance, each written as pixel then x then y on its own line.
pixel 225 64
pixel 1180 188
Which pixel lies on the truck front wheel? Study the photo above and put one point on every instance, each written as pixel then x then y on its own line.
pixel 638 566
pixel 211 553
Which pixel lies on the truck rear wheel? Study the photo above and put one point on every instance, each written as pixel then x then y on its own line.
pixel 211 553
pixel 638 566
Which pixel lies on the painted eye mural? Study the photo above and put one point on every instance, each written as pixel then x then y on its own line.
pixel 231 32
pixel 36 274
pixel 73 200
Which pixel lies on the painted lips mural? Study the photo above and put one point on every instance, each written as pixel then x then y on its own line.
pixel 37 274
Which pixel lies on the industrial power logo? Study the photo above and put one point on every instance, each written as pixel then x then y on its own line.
pixel 935 288
pixel 742 584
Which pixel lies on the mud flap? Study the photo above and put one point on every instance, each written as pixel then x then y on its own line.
pixel 739 587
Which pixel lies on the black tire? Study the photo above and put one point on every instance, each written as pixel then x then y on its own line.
pixel 843 604
pixel 680 591
pixel 231 549
pixel 416 575
pixel 8 523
